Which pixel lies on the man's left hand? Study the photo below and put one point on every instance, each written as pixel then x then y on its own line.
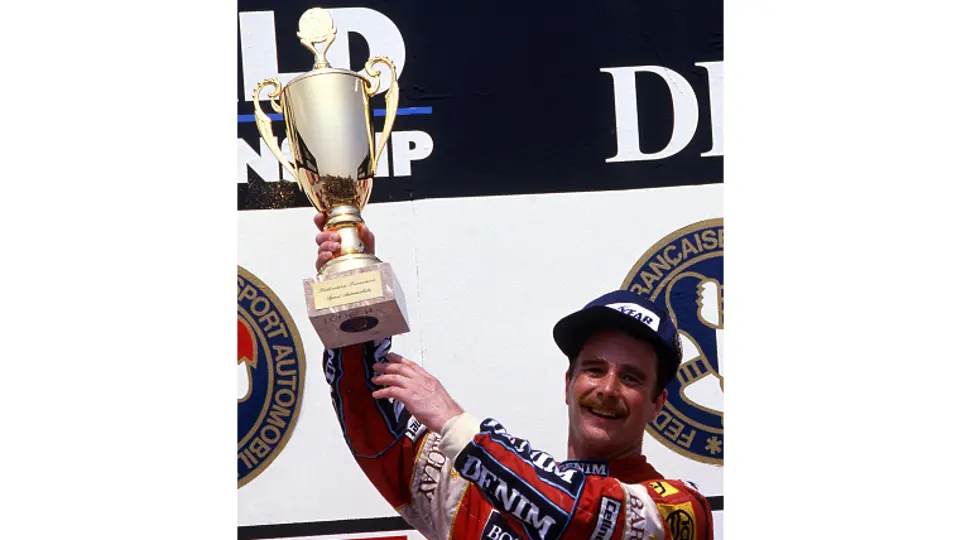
pixel 419 391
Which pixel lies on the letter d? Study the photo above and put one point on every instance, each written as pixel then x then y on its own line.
pixel 382 37
pixel 686 113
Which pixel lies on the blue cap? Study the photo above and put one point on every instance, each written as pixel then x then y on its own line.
pixel 627 312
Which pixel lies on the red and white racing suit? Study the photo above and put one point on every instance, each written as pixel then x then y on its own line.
pixel 474 480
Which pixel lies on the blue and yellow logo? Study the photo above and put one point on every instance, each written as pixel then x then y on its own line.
pixel 270 372
pixel 683 274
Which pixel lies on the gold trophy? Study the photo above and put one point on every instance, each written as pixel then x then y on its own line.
pixel 356 297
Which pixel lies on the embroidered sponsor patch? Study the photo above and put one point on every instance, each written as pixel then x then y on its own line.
pixel 639 313
pixel 497 528
pixel 663 489
pixel 607 519
pixel 540 518
pixel 414 429
pixel 429 469
pixel 592 467
pixel 679 520
pixel 636 522
pixel 569 480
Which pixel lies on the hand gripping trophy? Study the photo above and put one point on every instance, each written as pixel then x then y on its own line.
pixel 356 297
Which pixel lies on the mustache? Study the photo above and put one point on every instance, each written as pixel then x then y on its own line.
pixel 615 407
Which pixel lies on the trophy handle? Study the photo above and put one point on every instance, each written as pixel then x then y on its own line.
pixel 392 97
pixel 265 125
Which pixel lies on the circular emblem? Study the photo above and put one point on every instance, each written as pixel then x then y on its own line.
pixel 683 275
pixel 680 524
pixel 270 372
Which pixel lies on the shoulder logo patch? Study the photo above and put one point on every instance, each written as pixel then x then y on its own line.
pixel 663 489
pixel 679 520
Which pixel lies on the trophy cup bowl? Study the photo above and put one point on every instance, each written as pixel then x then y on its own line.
pixel 326 111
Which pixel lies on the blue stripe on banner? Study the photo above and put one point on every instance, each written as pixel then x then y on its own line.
pixel 405 111
pixel 246 118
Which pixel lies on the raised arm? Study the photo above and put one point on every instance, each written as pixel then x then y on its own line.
pixel 399 455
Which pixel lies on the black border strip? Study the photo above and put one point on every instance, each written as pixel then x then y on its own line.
pixel 317 528
pixel 353 526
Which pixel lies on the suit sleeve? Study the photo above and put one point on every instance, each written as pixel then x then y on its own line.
pixel 527 487
pixel 399 456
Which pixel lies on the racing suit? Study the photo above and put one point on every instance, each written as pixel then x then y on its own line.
pixel 474 480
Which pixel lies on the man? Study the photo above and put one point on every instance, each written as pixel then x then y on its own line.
pixel 451 475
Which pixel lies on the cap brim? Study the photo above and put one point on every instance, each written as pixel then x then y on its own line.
pixel 572 331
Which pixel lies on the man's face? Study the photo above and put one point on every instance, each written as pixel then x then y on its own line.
pixel 610 395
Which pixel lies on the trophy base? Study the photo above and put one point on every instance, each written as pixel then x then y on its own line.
pixel 356 305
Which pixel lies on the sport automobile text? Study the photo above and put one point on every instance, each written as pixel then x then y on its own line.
pixel 284 399
pixel 262 308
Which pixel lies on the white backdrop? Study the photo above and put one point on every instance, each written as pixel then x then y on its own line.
pixel 485 279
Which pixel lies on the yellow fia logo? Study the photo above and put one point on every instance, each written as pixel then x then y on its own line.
pixel 665 490
pixel 679 520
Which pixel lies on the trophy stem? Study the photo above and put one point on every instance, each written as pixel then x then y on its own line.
pixel 353 254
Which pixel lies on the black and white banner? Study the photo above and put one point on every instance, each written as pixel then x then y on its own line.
pixel 532 97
